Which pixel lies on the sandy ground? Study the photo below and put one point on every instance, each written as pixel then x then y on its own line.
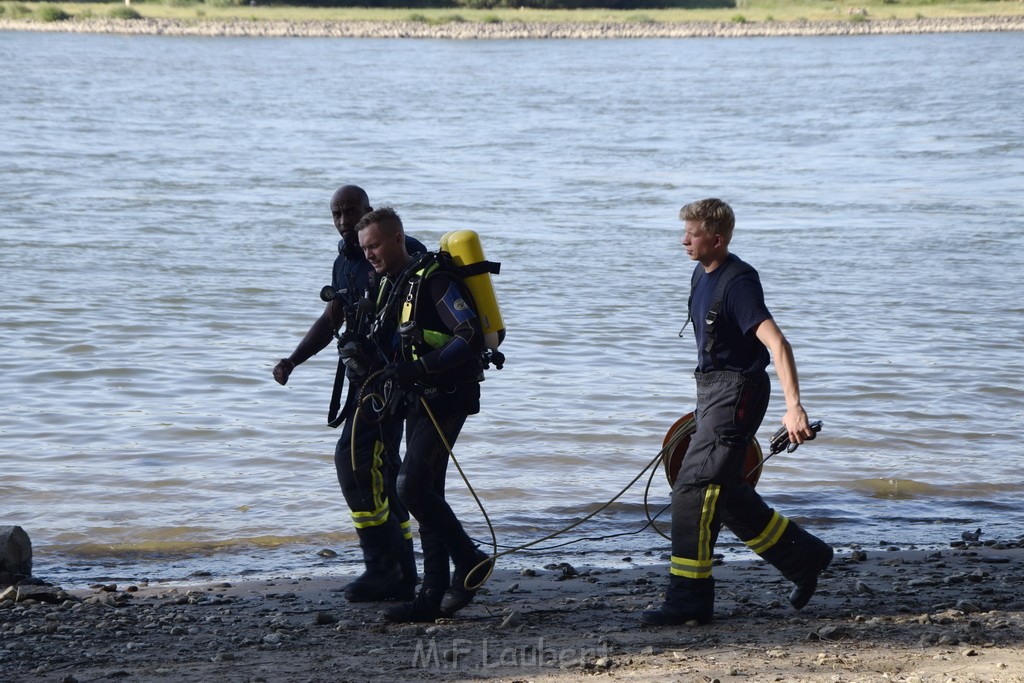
pixel 882 614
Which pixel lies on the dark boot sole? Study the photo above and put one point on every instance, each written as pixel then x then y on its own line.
pixel 458 596
pixel 401 594
pixel 663 617
pixel 409 614
pixel 805 590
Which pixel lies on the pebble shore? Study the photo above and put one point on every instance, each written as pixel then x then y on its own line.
pixel 884 614
pixel 513 30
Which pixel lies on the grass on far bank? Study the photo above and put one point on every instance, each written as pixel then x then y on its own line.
pixel 748 10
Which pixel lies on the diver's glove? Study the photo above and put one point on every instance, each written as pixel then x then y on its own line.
pixel 405 373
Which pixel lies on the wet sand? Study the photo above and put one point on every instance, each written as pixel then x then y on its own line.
pixel 882 614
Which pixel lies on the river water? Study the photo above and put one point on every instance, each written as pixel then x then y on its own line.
pixel 165 232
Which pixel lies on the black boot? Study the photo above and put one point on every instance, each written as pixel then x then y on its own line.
pixel 425 607
pixel 801 557
pixel 473 573
pixel 383 579
pixel 407 562
pixel 685 600
pixel 380 582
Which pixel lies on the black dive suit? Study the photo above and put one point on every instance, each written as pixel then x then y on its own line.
pixel 437 360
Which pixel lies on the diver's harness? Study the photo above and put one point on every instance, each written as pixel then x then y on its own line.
pixel 364 351
pixel 352 358
pixel 364 347
pixel 732 269
pixel 419 341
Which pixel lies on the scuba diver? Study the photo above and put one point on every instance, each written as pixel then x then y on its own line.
pixel 430 349
pixel 367 467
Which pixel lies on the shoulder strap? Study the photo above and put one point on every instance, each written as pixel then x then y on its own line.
pixel 698 273
pixel 429 265
pixel 478 268
pixel 445 266
pixel 732 269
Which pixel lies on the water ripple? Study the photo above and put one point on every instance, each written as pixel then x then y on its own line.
pixel 146 302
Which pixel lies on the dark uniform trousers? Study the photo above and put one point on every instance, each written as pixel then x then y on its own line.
pixel 369 487
pixel 709 490
pixel 421 489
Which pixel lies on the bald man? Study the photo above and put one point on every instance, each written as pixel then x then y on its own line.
pixel 367 467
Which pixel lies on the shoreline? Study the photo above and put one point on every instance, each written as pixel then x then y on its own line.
pixel 518 30
pixel 343 558
pixel 883 614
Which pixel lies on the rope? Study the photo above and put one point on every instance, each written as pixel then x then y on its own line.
pixel 494 538
pixel 491 560
pixel 495 554
pixel 673 441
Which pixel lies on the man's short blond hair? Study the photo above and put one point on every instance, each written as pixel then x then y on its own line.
pixel 386 219
pixel 714 215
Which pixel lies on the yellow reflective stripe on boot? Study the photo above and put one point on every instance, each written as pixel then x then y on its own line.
pixel 770 536
pixel 700 568
pixel 407 530
pixel 379 515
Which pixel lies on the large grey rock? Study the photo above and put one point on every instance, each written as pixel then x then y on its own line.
pixel 51 594
pixel 15 555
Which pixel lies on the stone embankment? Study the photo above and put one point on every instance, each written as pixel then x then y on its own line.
pixel 518 30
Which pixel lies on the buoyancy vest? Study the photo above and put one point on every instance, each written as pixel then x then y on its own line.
pixel 398 302
pixel 417 340
pixel 434 339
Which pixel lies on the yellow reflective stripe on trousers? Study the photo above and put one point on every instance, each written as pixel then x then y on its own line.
pixel 379 515
pixel 691 569
pixel 770 536
pixel 407 530
pixel 700 568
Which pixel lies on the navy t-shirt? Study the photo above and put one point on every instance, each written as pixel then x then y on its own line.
pixel 737 348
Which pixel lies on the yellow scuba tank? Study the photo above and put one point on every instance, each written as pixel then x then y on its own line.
pixel 465 249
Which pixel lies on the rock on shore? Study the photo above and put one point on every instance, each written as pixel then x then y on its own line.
pixel 15 555
pixel 955 615
pixel 517 30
